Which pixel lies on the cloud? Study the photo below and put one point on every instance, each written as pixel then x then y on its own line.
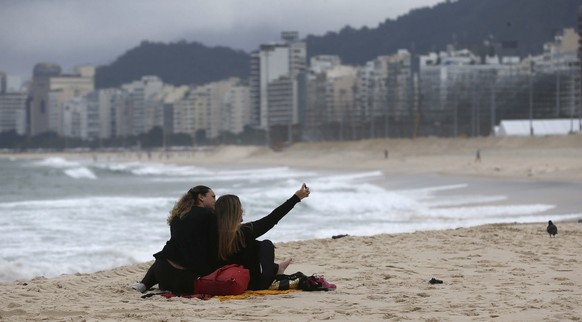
pixel 72 32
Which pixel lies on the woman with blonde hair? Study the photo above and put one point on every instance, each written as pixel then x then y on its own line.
pixel 237 242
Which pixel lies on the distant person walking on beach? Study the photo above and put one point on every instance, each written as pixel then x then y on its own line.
pixel 478 155
pixel 237 242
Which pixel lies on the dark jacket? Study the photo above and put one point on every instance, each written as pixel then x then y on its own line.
pixel 192 242
pixel 249 256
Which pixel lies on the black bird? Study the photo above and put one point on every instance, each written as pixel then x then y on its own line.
pixel 552 229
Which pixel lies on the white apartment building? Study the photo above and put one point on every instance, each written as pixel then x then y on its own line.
pixel 171 96
pixel 216 93
pixel 236 112
pixel 12 105
pixel 48 78
pixel 13 112
pixel 283 64
pixel 74 118
pixel 101 113
pixel 10 83
pixel 321 63
pixel 340 93
pixel 145 103
pixel 191 112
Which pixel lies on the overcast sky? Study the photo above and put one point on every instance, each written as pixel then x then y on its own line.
pixel 74 32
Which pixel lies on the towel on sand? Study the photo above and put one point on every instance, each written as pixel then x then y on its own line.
pixel 244 295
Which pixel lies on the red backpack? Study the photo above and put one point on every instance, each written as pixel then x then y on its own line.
pixel 228 280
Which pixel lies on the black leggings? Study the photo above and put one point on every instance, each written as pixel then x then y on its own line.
pixel 171 278
pixel 178 281
pixel 268 267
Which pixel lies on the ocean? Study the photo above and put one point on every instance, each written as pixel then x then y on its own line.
pixel 65 216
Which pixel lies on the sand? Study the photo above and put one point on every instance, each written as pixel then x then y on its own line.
pixel 502 272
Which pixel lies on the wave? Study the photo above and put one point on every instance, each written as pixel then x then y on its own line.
pixel 72 169
pixel 80 173
pixel 57 162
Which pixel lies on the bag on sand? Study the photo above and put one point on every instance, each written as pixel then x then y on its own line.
pixel 228 280
pixel 301 282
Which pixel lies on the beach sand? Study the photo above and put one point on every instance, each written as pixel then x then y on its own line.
pixel 502 272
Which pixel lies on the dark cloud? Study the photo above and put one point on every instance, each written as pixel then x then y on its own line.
pixel 73 32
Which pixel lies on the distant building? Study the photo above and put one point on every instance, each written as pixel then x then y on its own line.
pixel 538 127
pixel 13 112
pixel 10 83
pixel 191 113
pixel 236 112
pixel 47 78
pixel 278 74
pixel 74 123
pixel 321 63
pixel 386 96
pixel 12 105
pixel 144 104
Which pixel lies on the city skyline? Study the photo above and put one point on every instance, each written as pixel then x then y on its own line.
pixel 72 33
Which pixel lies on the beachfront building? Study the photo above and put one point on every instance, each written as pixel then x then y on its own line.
pixel 102 109
pixel 172 95
pixel 466 95
pixel 10 83
pixel 556 72
pixel 144 104
pixel 541 127
pixel 278 75
pixel 191 113
pixel 12 105
pixel 236 112
pixel 386 96
pixel 340 85
pixel 330 113
pixel 216 113
pixel 13 112
pixel 206 112
pixel 48 83
pixel 462 94
pixel 74 119
pixel 315 110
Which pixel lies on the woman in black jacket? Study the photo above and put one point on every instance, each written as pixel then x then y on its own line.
pixel 237 242
pixel 191 250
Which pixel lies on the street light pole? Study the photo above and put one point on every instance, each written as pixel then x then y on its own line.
pixel 267 129
pixel 531 129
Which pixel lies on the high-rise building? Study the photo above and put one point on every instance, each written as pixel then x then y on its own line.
pixel 12 105
pixel 145 104
pixel 47 78
pixel 236 113
pixel 278 83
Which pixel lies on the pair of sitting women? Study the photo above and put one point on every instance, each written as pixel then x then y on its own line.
pixel 206 234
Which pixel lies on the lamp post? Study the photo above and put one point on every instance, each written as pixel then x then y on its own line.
pixel 531 129
pixel 267 129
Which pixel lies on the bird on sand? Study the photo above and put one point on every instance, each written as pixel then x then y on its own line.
pixel 552 229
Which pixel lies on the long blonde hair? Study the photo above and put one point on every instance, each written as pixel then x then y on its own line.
pixel 188 200
pixel 228 217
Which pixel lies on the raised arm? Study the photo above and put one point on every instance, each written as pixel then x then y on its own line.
pixel 255 229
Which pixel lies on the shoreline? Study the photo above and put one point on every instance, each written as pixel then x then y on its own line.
pixel 495 271
pixel 549 158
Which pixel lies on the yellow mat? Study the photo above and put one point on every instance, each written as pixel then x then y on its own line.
pixel 248 294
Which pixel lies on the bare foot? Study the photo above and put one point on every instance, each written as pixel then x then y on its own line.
pixel 283 266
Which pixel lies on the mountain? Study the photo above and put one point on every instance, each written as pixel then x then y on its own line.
pixel 523 24
pixel 175 63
